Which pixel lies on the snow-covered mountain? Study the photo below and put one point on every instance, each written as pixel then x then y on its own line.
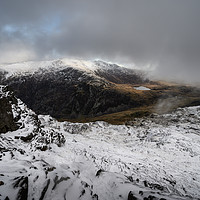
pixel 98 69
pixel 78 89
pixel 70 88
pixel 149 158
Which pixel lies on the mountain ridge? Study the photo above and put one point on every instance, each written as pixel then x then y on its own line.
pixel 84 65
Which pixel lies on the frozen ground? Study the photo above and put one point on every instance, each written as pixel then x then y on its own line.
pixel 151 158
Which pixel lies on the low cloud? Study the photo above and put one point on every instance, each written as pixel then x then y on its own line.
pixel 162 34
pixel 167 105
pixel 12 54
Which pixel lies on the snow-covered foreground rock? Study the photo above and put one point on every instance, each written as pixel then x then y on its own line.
pixel 151 158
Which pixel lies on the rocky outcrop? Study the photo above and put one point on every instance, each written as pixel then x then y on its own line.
pixel 7 122
pixel 14 114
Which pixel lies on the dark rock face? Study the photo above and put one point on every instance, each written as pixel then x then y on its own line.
pixel 131 196
pixel 22 184
pixel 45 190
pixel 7 122
pixel 23 116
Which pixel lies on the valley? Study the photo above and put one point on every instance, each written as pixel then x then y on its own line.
pixel 83 91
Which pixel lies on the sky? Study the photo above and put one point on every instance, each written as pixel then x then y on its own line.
pixel 158 35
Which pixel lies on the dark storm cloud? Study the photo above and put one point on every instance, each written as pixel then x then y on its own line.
pixel 161 33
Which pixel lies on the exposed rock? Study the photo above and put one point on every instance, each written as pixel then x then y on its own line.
pixel 57 181
pixel 151 197
pixel 141 192
pixel 13 112
pixel 131 196
pixel 1 183
pixel 95 197
pixel 99 172
pixel 154 186
pixel 22 184
pixel 43 138
pixel 45 190
pixel 27 138
pixel 7 122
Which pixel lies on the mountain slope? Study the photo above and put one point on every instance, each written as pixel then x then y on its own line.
pixel 69 89
pixel 152 158
pixel 118 74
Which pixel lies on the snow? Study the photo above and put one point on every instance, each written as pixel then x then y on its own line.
pixel 141 88
pixel 3 92
pixel 158 155
pixel 24 67
pixel 33 66
pixel 30 67
pixel 80 64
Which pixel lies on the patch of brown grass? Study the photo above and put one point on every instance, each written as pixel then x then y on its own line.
pixel 118 117
pixel 149 99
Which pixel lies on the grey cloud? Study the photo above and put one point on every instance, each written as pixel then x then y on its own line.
pixel 164 33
